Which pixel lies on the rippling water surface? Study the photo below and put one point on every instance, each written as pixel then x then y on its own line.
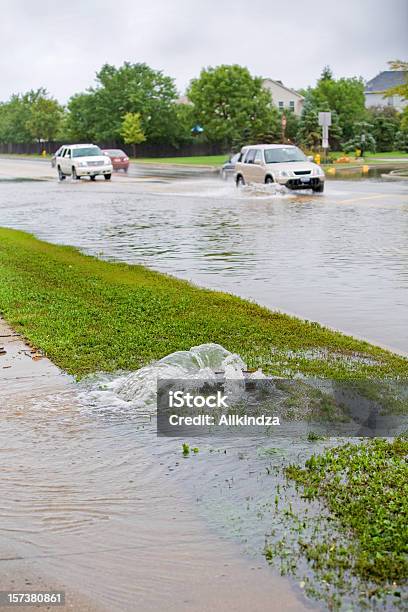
pixel 340 258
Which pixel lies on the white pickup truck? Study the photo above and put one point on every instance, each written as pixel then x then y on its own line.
pixel 80 160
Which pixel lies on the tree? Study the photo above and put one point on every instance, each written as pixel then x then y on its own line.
pixel 362 139
pixel 386 123
pixel 344 96
pixel 401 141
pixel 45 118
pixel 310 132
pixel 29 116
pixel 131 130
pixel 232 105
pixel 81 123
pixel 132 88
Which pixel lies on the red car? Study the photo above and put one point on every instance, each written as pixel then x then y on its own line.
pixel 119 159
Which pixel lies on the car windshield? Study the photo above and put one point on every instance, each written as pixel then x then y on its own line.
pixel 115 152
pixel 86 152
pixel 283 154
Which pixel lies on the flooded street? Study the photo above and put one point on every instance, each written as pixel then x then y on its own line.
pixel 89 495
pixel 339 258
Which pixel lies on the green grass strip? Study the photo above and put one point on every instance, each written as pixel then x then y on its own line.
pixel 89 315
pixel 365 486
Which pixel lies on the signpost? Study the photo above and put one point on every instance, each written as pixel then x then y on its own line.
pixel 325 122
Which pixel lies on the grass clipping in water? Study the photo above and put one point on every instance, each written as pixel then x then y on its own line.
pixel 89 315
pixel 365 487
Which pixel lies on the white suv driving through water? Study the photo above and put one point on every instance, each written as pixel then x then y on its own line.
pixel 283 164
pixel 82 160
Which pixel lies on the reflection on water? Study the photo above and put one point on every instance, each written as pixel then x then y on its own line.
pixel 339 258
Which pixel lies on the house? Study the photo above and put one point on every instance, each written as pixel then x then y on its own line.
pixel 376 90
pixel 284 97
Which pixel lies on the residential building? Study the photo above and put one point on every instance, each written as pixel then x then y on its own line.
pixel 283 97
pixel 376 90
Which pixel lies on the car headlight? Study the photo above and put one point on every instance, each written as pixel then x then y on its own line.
pixel 317 171
pixel 82 164
pixel 285 173
pixel 107 161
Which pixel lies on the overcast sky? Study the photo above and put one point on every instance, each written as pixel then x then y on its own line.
pixel 61 44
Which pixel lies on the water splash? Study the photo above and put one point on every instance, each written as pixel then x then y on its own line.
pixel 138 389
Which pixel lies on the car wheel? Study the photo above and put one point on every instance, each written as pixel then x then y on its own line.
pixel 269 180
pixel 319 188
pixel 74 175
pixel 240 181
pixel 125 170
pixel 107 177
pixel 93 177
pixel 61 176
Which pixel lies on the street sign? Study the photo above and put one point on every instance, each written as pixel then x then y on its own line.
pixel 325 118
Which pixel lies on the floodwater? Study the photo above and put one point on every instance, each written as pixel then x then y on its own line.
pixel 92 499
pixel 340 258
pixel 88 493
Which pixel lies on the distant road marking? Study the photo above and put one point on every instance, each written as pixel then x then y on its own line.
pixel 374 196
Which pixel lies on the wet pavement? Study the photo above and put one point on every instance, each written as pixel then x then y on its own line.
pixel 339 258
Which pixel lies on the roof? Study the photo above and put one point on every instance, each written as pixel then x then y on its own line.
pixel 269 146
pixel 79 146
pixel 385 80
pixel 280 84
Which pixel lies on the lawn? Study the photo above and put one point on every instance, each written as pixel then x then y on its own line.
pixel 365 486
pixel 89 315
pixel 387 155
pixel 197 160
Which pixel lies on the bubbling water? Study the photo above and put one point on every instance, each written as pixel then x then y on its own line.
pixel 205 362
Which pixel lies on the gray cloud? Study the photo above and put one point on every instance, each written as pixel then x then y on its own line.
pixel 61 46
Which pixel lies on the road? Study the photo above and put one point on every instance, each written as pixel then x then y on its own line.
pixel 339 258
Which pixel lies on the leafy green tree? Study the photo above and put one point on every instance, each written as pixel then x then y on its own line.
pixel 81 124
pixel 345 96
pixel 401 141
pixel 404 120
pixel 45 119
pixel 362 139
pixel 183 124
pixel 232 105
pixel 30 116
pixel 131 130
pixel 132 88
pixel 386 123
